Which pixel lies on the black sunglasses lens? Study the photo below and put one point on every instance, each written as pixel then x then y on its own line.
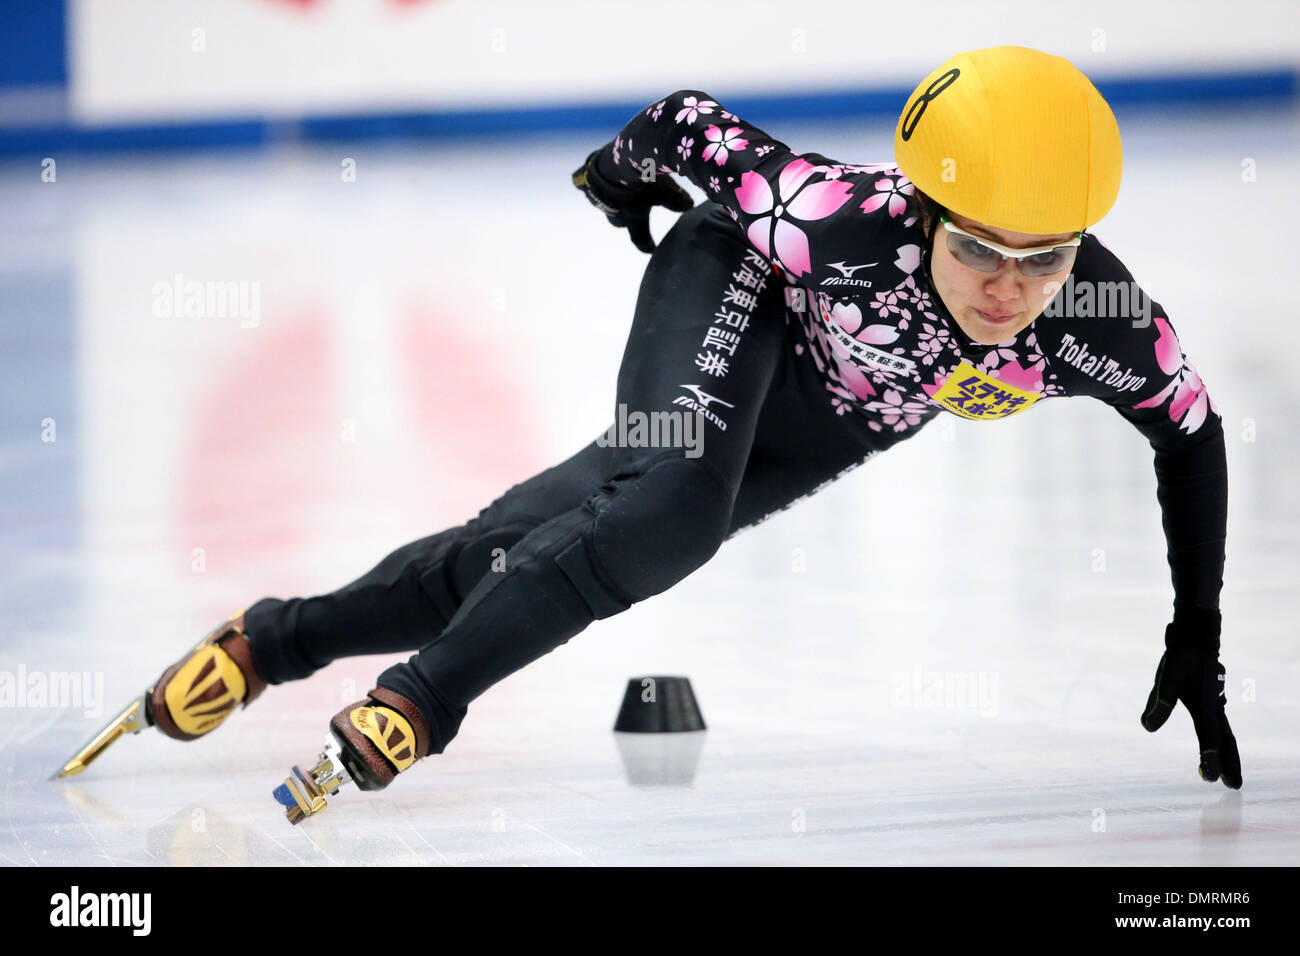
pixel 1046 263
pixel 974 254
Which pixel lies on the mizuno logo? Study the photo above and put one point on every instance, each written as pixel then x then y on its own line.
pixel 846 274
pixel 848 270
pixel 705 399
pixel 701 404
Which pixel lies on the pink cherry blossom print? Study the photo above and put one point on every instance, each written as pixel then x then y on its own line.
pixel 819 200
pixel 754 195
pixel 930 343
pixel 993 360
pixel 794 175
pixel 1191 400
pixel 886 379
pixel 909 257
pixel 1025 379
pixel 897 412
pixel 849 317
pixel 920 298
pixel 1000 355
pixel 891 192
pixel 853 377
pixel 692 107
pixel 1169 354
pixel 940 378
pixel 720 142
pixel 787 241
pixel 684 147
pixel 891 302
pixel 791 246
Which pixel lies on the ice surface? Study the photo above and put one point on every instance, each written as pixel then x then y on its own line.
pixel 450 324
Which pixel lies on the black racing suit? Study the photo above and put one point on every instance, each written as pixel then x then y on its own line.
pixel 793 318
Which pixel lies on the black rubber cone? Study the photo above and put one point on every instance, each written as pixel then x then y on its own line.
pixel 659 705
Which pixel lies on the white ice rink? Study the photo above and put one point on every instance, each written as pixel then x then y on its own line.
pixel 427 336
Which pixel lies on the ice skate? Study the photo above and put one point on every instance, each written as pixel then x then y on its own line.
pixel 190 699
pixel 368 744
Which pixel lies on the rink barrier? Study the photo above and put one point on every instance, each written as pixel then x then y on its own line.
pixel 1270 87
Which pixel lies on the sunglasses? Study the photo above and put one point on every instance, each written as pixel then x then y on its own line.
pixel 984 255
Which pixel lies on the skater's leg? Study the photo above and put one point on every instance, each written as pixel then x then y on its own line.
pixel 408 598
pixel 658 514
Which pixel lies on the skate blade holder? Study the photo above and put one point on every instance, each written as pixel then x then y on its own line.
pixel 134 718
pixel 304 791
pixel 131 720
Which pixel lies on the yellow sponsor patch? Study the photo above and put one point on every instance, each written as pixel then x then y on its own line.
pixel 389 731
pixel 976 395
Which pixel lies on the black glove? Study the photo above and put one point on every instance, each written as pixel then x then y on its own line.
pixel 1190 671
pixel 629 206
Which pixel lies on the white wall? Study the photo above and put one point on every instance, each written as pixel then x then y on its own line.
pixel 136 60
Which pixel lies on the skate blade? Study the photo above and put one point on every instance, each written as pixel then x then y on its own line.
pixel 130 721
pixel 304 791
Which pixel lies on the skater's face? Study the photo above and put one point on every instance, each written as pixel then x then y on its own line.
pixel 991 307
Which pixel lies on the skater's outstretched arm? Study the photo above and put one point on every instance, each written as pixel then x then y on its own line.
pixel 1186 432
pixel 1134 362
pixel 806 213
pixel 1128 355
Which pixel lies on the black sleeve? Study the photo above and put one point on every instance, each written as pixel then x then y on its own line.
pixel 787 204
pixel 1185 431
pixel 694 136
pixel 1123 350
pixel 1192 487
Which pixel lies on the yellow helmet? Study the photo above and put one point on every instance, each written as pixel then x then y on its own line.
pixel 1013 138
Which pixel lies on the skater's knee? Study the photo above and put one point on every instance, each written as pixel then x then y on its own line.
pixel 640 533
pixel 654 528
pixel 483 554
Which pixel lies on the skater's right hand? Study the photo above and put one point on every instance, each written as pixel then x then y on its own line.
pixel 629 206
pixel 1190 672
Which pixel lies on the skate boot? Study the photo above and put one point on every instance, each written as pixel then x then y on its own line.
pixel 190 699
pixel 368 744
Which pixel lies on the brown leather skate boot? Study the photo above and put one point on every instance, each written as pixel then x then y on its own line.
pixel 369 743
pixel 190 699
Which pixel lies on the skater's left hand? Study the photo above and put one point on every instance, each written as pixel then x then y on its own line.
pixel 1190 671
pixel 629 206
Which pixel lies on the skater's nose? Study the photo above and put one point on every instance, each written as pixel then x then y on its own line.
pixel 1003 285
